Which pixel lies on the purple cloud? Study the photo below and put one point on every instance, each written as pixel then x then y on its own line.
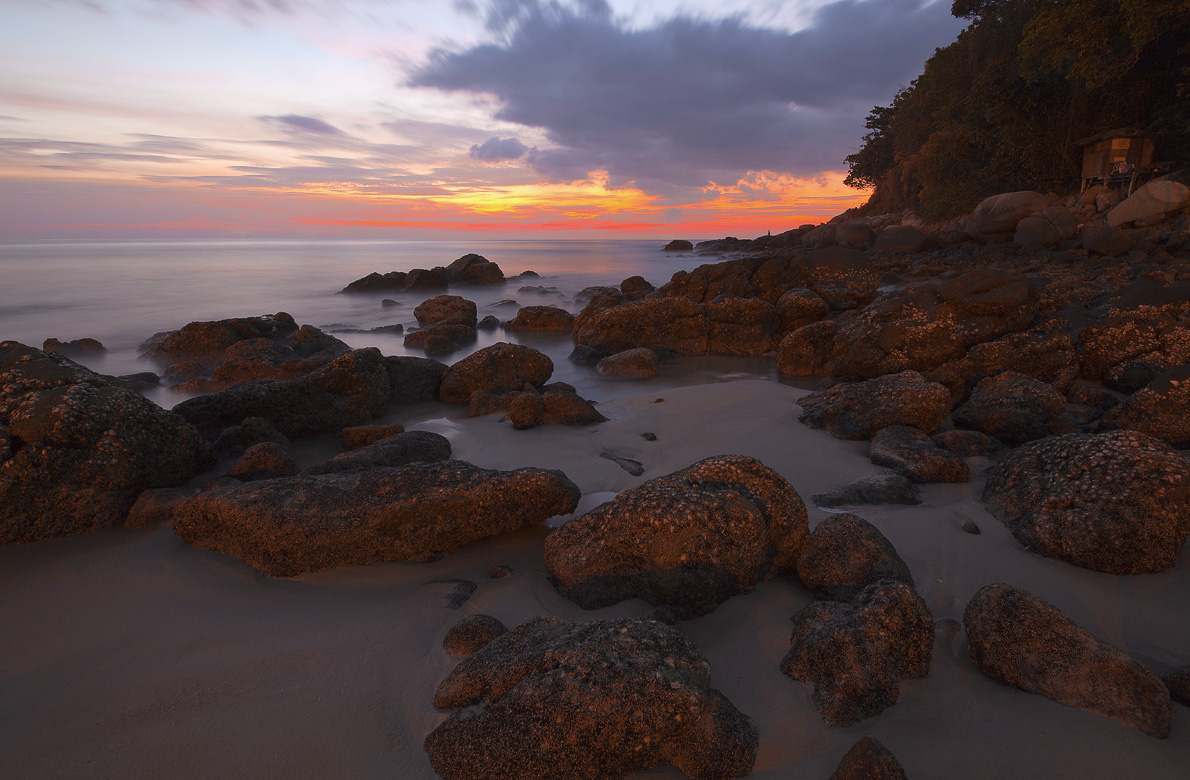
pixel 690 101
pixel 295 123
pixel 498 149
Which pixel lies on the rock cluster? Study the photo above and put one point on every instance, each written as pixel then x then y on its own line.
pixel 467 270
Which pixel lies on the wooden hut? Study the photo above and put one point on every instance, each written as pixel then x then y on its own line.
pixel 1116 158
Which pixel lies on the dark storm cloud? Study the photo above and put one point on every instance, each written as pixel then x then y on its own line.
pixel 690 100
pixel 295 123
pixel 498 150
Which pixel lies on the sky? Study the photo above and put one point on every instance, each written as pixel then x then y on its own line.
pixel 420 119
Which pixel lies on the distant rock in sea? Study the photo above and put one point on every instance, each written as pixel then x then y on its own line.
pixel 469 269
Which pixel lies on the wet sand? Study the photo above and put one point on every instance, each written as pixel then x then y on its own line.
pixel 128 654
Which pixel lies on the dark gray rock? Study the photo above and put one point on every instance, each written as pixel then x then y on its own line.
pixel 1022 641
pixel 1015 408
pixel 856 653
pixel 397 450
pixel 76 449
pixel 1178 683
pixel 845 555
pixel 413 379
pixel 879 489
pixel 686 541
pixel 587 701
pixel 307 522
pixel 869 760
pixel 1113 502
pixel 911 452
pixel 234 440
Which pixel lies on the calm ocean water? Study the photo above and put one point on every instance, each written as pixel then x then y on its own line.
pixel 123 293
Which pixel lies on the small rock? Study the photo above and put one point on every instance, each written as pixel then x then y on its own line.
pixel 878 489
pixel 470 634
pixel 633 467
pixel 971 528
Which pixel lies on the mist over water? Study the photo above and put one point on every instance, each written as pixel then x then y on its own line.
pixel 122 293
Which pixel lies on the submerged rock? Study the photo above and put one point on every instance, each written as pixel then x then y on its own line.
pixel 685 541
pixel 587 701
pixel 307 522
pixel 76 449
pixel 1114 502
pixel 1022 641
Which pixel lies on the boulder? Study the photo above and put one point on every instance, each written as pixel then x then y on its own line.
pixel 878 489
pixel 844 277
pixel 474 270
pixel 397 450
pixel 639 363
pixel 587 701
pixel 1022 641
pixel 1064 221
pixel 413 379
pixel 263 461
pixel 807 351
pixel 351 390
pixel 856 653
pixel 1161 409
pixel 854 233
pixel 1106 240
pixel 1015 408
pixel 857 410
pixel 924 326
pixel 1044 352
pixel 670 323
pixel 205 342
pixel 1114 502
pixel 996 218
pixel 564 406
pixel 968 444
pixel 75 347
pixel 635 287
pixel 911 452
pixel 1033 233
pixel 798 307
pixel 846 554
pixel 76 449
pixel 898 240
pixel 869 760
pixel 525 410
pixel 541 319
pixel 471 634
pixel 362 435
pixel 308 522
pixel 686 541
pixel 740 326
pixel 500 368
pixel 678 245
pixel 234 440
pixel 445 308
pixel 1151 202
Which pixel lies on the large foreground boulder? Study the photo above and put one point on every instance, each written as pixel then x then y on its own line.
pixel 856 653
pixel 686 541
pixel 996 218
pixel 1113 502
pixel 76 449
pixel 498 369
pixel 1020 640
pixel 416 512
pixel 857 410
pixel 587 701
pixel 354 389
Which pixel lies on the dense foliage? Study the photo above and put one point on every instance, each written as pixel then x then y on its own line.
pixel 1001 108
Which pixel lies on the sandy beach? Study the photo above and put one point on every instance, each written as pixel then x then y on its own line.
pixel 129 654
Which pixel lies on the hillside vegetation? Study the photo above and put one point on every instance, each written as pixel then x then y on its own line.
pixel 1001 108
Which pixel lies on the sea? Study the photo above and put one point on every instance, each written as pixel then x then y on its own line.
pixel 123 293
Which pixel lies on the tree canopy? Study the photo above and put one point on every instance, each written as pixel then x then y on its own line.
pixel 1000 109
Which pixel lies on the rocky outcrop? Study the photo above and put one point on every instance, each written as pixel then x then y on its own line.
pixel 1161 409
pixel 857 410
pixel 807 351
pixel 1022 641
pixel 656 322
pixel 352 389
pixel 678 245
pixel 308 522
pixel 1015 408
pixel 846 554
pixel 588 701
pixel 497 369
pixel 396 450
pixel 841 276
pixel 911 452
pixel 469 269
pixel 76 449
pixel 1147 324
pixel 471 634
pixel 1044 352
pixel 764 277
pixel 996 218
pixel 1114 502
pixel 686 541
pixel 541 319
pixel 924 326
pixel 869 760
pixel 740 326
pixel 856 653
pixel 639 363
pixel 448 323
pixel 636 287
pixel 799 307
pixel 74 348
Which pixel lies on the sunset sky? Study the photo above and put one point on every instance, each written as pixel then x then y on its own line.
pixel 418 118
